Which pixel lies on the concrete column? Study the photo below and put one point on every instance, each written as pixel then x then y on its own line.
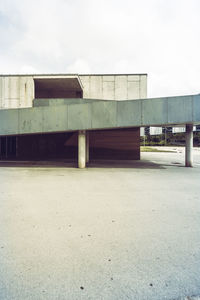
pixel 81 149
pixel 188 145
pixel 87 147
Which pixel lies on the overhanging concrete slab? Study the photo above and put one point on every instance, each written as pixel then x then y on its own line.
pixel 94 114
pixel 53 87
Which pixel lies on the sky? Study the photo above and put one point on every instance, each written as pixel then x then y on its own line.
pixel 157 37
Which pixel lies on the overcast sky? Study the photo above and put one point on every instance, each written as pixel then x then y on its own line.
pixel 158 37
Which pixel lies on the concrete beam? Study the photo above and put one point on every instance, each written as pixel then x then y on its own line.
pixel 81 149
pixel 189 145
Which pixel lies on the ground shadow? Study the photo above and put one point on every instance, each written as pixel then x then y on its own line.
pixel 39 164
pixel 132 164
pixel 135 164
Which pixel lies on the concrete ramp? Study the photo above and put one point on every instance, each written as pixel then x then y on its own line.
pixel 101 115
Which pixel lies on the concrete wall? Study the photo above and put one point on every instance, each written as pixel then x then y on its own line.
pixel 18 91
pixel 104 144
pixel 47 94
pixel 115 144
pixel 114 87
pixel 8 147
pixel 47 146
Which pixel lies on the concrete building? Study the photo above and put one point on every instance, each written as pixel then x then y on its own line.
pixel 83 117
pixel 18 91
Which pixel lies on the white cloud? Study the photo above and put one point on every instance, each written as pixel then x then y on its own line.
pixel 157 37
pixel 79 66
pixel 25 69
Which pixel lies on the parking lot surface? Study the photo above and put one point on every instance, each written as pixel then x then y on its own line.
pixel 111 231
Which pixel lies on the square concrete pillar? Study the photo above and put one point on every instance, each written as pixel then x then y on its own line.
pixel 189 145
pixel 81 149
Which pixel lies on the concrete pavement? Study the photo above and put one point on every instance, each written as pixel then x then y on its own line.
pixel 101 233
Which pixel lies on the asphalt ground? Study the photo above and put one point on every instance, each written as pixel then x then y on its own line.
pixel 111 231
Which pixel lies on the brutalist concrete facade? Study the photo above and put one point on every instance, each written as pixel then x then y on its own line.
pixel 86 117
pixel 62 92
pixel 18 91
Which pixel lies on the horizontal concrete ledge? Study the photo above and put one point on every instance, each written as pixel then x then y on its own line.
pixel 58 101
pixel 95 114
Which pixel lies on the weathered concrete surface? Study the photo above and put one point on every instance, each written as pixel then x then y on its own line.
pixel 58 101
pixel 189 298
pixel 101 115
pixel 189 146
pixel 120 233
pixel 114 86
pixel 81 149
pixel 18 90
